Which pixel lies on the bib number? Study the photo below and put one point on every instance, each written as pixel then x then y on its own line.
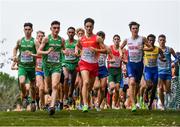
pixel 53 57
pixel 26 58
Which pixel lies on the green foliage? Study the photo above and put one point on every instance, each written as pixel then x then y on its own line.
pixel 9 91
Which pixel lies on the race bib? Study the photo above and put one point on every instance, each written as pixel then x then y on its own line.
pixel 116 63
pixel 39 63
pixel 70 56
pixel 135 56
pixel 163 64
pixel 88 56
pixel 53 57
pixel 152 62
pixel 26 58
pixel 101 61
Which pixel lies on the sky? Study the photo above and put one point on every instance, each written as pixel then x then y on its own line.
pixel 111 16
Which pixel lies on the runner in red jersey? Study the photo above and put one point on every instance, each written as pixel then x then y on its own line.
pixel 114 69
pixel 91 46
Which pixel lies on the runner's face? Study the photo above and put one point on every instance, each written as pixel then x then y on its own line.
pixel 134 29
pixel 162 41
pixel 116 41
pixel 151 40
pixel 27 31
pixel 89 27
pixel 55 29
pixel 71 33
pixel 40 36
pixel 80 34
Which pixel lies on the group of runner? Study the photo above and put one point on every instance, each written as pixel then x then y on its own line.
pixel 73 73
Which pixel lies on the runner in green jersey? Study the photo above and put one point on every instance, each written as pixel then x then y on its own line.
pixel 70 61
pixel 26 63
pixel 51 48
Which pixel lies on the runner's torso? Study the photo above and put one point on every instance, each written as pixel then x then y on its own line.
pixel 39 63
pixel 102 60
pixel 70 48
pixel 54 57
pixel 87 54
pixel 150 57
pixel 165 67
pixel 26 60
pixel 135 54
pixel 116 54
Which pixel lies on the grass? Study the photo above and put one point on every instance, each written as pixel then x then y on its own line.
pixel 92 118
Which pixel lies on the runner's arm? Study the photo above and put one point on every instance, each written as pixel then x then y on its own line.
pixel 123 44
pixel 102 49
pixel 78 48
pixel 42 45
pixel 124 56
pixel 14 66
pixel 162 57
pixel 112 59
pixel 174 54
pixel 15 50
pixel 145 48
pixel 36 46
pixel 145 42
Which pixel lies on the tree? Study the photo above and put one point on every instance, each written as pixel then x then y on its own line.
pixel 9 91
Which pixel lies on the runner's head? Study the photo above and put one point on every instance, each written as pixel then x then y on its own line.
pixel 134 28
pixel 162 40
pixel 71 32
pixel 116 40
pixel 40 35
pixel 80 32
pixel 55 27
pixel 89 25
pixel 28 29
pixel 151 39
pixel 101 34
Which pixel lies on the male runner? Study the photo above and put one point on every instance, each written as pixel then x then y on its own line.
pixel 135 59
pixel 51 49
pixel 26 63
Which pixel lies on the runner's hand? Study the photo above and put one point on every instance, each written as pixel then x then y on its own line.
pixel 15 59
pixel 93 49
pixel 66 53
pixel 50 50
pixel 28 53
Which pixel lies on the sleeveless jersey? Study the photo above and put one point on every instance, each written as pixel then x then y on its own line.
pixel 87 55
pixel 134 53
pixel 150 57
pixel 116 54
pixel 70 48
pixel 54 57
pixel 102 60
pixel 26 60
pixel 165 67
pixel 39 63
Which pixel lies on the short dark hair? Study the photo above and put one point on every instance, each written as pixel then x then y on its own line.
pixel 116 35
pixel 71 28
pixel 28 24
pixel 151 35
pixel 89 20
pixel 162 35
pixel 133 23
pixel 55 23
pixel 40 32
pixel 101 34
